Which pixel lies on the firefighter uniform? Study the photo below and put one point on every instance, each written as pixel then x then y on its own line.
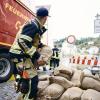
pixel 24 55
pixel 55 58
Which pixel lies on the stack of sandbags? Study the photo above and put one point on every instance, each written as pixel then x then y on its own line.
pixel 90 95
pixel 78 86
pixel 73 93
pixel 63 71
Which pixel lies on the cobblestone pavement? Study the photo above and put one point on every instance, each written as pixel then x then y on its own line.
pixel 7 91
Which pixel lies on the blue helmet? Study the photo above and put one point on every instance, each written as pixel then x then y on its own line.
pixel 42 12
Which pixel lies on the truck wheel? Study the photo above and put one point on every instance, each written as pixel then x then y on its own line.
pixel 6 67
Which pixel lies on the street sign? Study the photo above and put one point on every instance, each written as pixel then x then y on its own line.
pixel 97 26
pixel 71 39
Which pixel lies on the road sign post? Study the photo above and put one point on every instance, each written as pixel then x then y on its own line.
pixel 71 40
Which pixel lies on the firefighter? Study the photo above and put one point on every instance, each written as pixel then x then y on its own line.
pixel 55 57
pixel 25 54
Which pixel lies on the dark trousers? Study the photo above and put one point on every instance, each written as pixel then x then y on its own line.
pixel 34 89
pixel 32 92
pixel 54 62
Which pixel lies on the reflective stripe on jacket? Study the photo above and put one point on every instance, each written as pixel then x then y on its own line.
pixel 55 53
pixel 27 39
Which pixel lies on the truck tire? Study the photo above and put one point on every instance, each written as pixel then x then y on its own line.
pixel 6 67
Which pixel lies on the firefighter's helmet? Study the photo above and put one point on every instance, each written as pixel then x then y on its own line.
pixel 42 12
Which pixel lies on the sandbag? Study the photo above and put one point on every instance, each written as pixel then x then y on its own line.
pixel 61 81
pixel 90 95
pixel 91 83
pixel 43 77
pixel 63 75
pixel 64 70
pixel 77 78
pixel 46 53
pixel 41 86
pixel 87 71
pixel 41 98
pixel 73 93
pixel 92 76
pixel 53 91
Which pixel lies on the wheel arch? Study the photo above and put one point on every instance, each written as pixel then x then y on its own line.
pixel 4 50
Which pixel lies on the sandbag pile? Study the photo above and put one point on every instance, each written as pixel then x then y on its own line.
pixel 69 84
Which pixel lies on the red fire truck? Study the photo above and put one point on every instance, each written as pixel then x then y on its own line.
pixel 13 14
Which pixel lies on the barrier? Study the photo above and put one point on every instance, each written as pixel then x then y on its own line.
pixel 83 60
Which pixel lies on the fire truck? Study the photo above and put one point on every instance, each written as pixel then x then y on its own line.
pixel 13 14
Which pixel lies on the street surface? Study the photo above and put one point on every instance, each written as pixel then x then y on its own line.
pixel 7 91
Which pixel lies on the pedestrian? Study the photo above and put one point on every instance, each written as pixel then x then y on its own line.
pixel 25 54
pixel 55 57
